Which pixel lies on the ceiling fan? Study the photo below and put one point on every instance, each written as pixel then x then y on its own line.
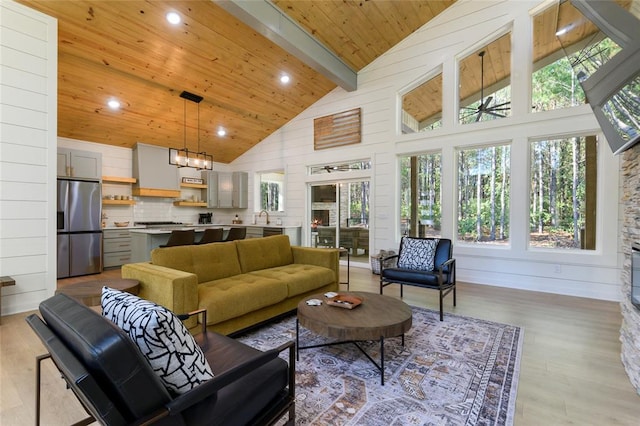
pixel 340 168
pixel 485 106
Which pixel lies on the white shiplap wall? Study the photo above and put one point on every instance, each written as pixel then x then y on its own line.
pixel 464 27
pixel 28 120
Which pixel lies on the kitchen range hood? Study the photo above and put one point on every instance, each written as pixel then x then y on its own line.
pixel 155 177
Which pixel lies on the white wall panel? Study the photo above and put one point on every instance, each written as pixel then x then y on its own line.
pixel 24 99
pixel 23 136
pixel 18 247
pixel 23 61
pixel 23 228
pixel 12 77
pixel 34 173
pixel 28 107
pixel 32 46
pixel 461 29
pixel 23 154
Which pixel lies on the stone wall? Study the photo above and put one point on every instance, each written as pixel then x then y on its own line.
pixel 630 233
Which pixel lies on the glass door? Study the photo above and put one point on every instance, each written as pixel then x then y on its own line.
pixel 340 217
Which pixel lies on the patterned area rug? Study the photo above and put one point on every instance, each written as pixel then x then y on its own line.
pixel 461 371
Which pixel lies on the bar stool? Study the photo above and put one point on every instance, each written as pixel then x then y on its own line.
pixel 181 238
pixel 237 234
pixel 211 235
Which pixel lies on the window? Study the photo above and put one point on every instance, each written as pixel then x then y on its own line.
pixel 483 194
pixel 554 83
pixel 422 107
pixel 420 204
pixel 485 82
pixel 563 193
pixel 340 167
pixel 272 191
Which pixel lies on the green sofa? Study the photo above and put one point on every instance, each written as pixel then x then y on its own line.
pixel 240 283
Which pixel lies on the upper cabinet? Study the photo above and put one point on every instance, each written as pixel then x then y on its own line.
pixel 79 164
pixel 226 190
pixel 155 176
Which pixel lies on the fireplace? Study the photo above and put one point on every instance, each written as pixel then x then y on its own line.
pixel 635 275
pixel 630 230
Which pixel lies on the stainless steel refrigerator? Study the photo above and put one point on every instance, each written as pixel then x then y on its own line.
pixel 79 223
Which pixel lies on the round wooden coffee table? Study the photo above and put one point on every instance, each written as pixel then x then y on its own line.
pixel 377 318
pixel 90 292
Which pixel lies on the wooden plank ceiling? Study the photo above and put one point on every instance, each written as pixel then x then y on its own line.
pixel 127 50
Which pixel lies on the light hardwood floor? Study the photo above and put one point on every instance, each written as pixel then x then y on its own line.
pixel 570 371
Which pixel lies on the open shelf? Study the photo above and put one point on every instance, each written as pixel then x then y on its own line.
pixel 189 204
pixel 194 185
pixel 118 179
pixel 119 202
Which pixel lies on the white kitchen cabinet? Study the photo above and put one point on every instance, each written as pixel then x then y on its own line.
pixel 116 247
pixel 226 190
pixel 292 231
pixel 254 232
pixel 240 194
pixel 79 164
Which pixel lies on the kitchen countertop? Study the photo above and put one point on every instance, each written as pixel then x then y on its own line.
pixel 113 227
pixel 198 227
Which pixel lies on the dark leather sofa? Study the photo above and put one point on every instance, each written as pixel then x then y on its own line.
pixel 117 386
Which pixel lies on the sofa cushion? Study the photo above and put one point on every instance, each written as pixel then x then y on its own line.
pixel 299 278
pixel 417 253
pixel 238 295
pixel 161 337
pixel 208 261
pixel 262 253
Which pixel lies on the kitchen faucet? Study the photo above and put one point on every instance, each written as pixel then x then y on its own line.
pixel 265 212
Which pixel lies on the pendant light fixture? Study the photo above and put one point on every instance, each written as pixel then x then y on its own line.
pixel 182 157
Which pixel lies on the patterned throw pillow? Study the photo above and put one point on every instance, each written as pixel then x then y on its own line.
pixel 417 254
pixel 161 337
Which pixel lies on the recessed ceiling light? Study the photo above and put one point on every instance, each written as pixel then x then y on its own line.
pixel 113 104
pixel 284 79
pixel 173 18
pixel 221 132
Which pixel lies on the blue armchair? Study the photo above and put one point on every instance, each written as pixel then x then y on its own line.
pixel 422 262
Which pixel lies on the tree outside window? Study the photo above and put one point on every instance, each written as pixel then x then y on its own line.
pixel 420 203
pixel 272 191
pixel 484 194
pixel 563 193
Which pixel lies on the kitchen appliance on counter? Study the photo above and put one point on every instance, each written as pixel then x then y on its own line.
pixel 79 226
pixel 205 218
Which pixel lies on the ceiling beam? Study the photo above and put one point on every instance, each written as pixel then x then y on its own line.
pixel 268 20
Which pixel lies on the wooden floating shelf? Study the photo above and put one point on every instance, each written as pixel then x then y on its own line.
pixel 119 202
pixel 153 192
pixel 118 179
pixel 194 185
pixel 189 204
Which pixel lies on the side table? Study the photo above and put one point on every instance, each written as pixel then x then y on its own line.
pixel 4 282
pixel 90 292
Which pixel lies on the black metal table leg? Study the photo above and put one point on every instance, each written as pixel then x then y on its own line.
pixel 297 340
pixel 381 361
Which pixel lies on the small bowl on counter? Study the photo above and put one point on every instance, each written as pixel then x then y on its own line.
pixel 121 224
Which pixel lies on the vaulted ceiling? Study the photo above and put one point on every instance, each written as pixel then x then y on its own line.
pixel 126 50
